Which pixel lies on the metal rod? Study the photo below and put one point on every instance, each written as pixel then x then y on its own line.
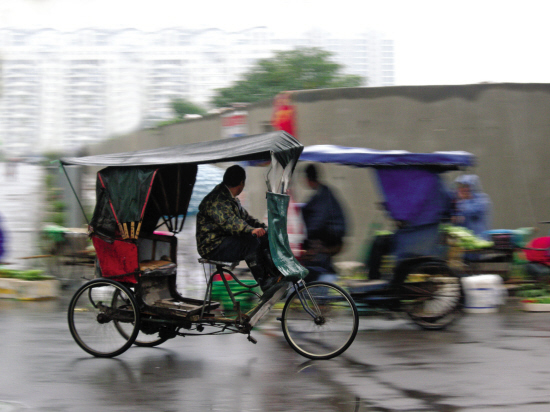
pixel 161 214
pixel 302 301
pixel 165 201
pixel 178 182
pixel 226 284
pixel 311 297
pixel 208 294
pixel 167 222
pixel 74 191
pixel 182 222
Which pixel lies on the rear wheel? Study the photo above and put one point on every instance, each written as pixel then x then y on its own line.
pixel 432 295
pixel 95 315
pixel 320 321
pixel 143 339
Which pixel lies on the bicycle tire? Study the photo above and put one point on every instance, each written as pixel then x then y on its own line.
pixel 142 339
pixel 333 329
pixel 432 295
pixel 91 318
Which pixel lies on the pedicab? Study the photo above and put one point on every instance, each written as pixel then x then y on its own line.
pixel 135 299
pixel 423 284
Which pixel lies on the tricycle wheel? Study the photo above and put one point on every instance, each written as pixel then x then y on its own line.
pixel 155 340
pixel 320 321
pixel 95 315
pixel 432 295
pixel 148 340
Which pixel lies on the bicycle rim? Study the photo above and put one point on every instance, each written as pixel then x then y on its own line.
pixel 330 331
pixel 434 296
pixel 92 318
pixel 126 329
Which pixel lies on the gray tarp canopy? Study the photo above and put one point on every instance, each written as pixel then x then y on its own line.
pixel 123 188
pixel 256 147
pixel 167 176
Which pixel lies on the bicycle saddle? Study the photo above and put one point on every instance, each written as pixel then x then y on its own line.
pixel 230 265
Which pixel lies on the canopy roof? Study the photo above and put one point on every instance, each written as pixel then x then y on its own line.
pixel 363 157
pixel 256 147
pixel 138 189
pixel 410 182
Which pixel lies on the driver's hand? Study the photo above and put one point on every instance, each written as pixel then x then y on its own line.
pixel 259 232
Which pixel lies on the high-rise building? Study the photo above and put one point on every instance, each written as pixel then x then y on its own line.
pixel 61 90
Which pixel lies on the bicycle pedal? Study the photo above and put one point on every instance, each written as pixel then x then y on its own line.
pixel 279 318
pixel 251 339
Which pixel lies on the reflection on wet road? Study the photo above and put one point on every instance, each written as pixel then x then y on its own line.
pixel 48 371
pixel 491 362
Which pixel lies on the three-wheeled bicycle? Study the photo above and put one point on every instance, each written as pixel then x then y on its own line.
pixel 135 299
pixel 423 284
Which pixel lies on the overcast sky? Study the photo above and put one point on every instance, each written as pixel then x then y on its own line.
pixel 437 42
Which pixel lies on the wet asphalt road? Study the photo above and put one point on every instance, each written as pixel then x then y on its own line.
pixel 485 362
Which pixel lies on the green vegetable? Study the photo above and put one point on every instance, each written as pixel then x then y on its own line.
pixel 32 274
pixel 531 293
pixel 465 238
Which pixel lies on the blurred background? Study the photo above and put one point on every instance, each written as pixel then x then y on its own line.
pixel 75 72
pixel 96 77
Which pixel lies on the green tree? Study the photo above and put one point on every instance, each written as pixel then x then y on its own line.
pixel 182 107
pixel 298 69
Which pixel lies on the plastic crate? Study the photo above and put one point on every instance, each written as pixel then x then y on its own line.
pixel 247 300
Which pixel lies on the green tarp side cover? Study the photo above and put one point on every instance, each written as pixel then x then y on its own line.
pixel 128 205
pixel 279 246
pixel 142 195
pixel 256 147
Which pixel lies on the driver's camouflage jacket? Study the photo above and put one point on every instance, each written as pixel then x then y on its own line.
pixel 221 215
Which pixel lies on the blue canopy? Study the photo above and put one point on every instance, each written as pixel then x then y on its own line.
pixel 363 157
pixel 413 190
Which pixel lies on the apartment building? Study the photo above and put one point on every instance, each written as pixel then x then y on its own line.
pixel 62 90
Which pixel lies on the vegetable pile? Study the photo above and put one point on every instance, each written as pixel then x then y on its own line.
pixel 465 239
pixel 31 274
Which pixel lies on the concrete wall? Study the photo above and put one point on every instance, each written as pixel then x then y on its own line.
pixel 507 126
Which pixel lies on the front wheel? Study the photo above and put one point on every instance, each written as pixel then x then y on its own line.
pixel 320 320
pixel 96 312
pixel 432 295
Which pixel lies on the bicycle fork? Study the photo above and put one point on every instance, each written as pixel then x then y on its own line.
pixel 303 300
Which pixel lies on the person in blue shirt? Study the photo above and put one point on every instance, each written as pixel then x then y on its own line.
pixel 472 205
pixel 325 226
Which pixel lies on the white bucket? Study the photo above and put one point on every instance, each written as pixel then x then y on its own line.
pixel 484 293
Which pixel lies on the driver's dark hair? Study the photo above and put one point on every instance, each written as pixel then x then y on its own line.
pixel 233 176
pixel 311 173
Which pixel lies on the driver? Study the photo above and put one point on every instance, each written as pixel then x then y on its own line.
pixel 227 233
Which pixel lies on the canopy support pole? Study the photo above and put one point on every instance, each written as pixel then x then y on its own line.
pixel 162 215
pixel 168 222
pixel 74 192
pixel 177 198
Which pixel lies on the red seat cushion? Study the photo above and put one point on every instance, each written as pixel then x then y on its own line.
pixel 117 259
